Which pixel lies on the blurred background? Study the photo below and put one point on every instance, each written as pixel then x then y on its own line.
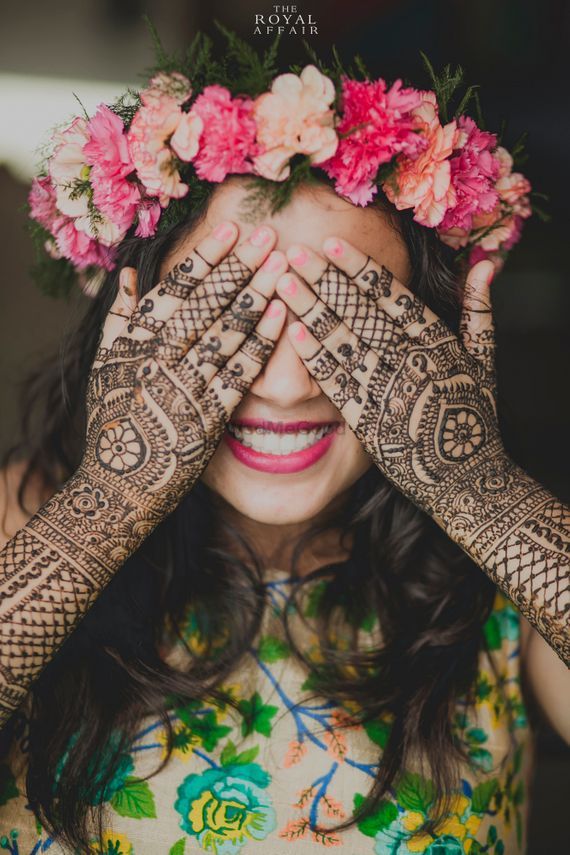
pixel 516 50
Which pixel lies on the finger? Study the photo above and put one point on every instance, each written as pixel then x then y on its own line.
pixel 220 341
pixel 229 385
pixel 210 297
pixel 351 352
pixel 476 325
pixel 118 315
pixel 168 295
pixel 377 282
pixel 344 391
pixel 348 302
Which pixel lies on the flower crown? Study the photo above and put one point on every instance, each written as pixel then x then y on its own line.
pixel 139 166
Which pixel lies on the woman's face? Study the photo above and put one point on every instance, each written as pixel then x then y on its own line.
pixel 295 486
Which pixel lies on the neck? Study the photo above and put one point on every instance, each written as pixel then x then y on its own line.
pixel 274 544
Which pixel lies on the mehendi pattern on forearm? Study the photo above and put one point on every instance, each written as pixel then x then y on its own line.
pixel 157 406
pixel 423 406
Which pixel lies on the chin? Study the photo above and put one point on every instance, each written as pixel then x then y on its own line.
pixel 286 498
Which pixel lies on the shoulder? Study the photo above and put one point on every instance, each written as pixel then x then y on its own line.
pixel 13 513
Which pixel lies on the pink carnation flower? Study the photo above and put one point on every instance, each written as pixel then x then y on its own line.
pixel 42 201
pixel 80 249
pixel 159 131
pixel 108 154
pixel 376 125
pixel 474 171
pixel 424 182
pixel 294 118
pixel 228 138
pixel 148 214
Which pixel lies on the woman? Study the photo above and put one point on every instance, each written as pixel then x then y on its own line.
pixel 269 626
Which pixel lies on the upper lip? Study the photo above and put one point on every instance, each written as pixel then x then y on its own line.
pixel 281 426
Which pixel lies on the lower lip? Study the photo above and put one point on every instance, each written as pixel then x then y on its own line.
pixel 279 463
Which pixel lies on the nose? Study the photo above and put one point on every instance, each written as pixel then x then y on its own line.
pixel 284 380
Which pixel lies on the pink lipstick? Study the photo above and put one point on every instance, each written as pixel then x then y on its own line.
pixel 279 447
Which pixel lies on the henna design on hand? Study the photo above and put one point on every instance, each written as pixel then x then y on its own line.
pixel 153 423
pixel 422 402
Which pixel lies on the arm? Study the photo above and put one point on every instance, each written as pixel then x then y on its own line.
pixel 422 400
pixel 52 571
pixel 547 679
pixel 165 379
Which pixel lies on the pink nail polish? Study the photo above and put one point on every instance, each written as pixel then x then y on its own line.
pixel 288 285
pixel 333 247
pixel 300 334
pixel 223 232
pixel 273 310
pixel 260 237
pixel 273 262
pixel 300 258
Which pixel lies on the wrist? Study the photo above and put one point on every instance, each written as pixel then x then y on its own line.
pixel 89 519
pixel 495 496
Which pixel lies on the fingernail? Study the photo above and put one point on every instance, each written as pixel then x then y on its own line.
pixel 273 262
pixel 224 231
pixel 260 237
pixel 299 331
pixel 333 247
pixel 287 285
pixel 274 309
pixel 297 256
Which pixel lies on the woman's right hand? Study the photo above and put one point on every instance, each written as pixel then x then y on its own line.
pixel 166 379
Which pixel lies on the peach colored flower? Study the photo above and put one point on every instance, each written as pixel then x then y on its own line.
pixel 158 131
pixel 424 183
pixel 294 118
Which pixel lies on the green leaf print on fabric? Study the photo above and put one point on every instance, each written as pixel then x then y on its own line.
pixel 230 756
pixel 8 788
pixel 271 649
pixel 256 715
pixel 482 795
pixel 204 727
pixel 224 808
pixel 385 814
pixel 134 799
pixel 414 792
pixel 178 848
pixel 378 732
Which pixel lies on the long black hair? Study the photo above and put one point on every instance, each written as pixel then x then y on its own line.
pixel 430 599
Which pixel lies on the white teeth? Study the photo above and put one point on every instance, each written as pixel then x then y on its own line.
pixel 270 442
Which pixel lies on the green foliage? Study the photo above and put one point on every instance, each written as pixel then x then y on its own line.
pixel 415 792
pixel 447 86
pixel 382 817
pixel 256 715
pixel 230 756
pixel 134 799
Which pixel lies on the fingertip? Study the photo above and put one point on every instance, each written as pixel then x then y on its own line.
pixel 482 273
pixel 297 331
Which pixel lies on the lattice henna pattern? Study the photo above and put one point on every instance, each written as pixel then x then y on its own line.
pixel 153 424
pixel 426 414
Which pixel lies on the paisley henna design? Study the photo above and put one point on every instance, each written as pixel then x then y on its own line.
pixel 152 427
pixel 426 414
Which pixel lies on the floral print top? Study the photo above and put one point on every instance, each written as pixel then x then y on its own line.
pixel 262 779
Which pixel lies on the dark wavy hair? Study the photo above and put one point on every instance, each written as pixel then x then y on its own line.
pixel 430 598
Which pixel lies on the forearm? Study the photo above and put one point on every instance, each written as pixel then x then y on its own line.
pixel 52 571
pixel 519 534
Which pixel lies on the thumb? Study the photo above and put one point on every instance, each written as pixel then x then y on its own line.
pixel 476 326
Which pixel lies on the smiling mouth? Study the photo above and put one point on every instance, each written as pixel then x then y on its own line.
pixel 279 438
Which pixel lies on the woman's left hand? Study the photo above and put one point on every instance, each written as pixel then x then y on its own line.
pixel 420 399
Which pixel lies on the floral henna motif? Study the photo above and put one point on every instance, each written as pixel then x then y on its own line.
pixel 426 414
pixel 152 427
